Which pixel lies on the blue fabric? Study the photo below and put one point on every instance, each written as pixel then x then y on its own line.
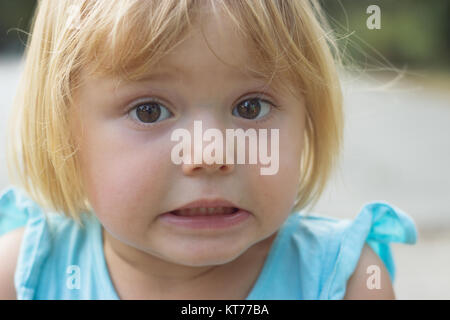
pixel 312 257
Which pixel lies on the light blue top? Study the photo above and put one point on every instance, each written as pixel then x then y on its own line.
pixel 312 257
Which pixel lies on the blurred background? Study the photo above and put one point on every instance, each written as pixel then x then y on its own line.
pixel 396 82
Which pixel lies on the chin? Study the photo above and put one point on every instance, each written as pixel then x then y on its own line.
pixel 206 256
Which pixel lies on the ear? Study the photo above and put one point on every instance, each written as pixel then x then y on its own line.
pixel 370 280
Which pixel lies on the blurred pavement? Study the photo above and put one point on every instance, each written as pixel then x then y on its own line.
pixel 10 70
pixel 397 149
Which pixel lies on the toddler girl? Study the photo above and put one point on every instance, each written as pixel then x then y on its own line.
pixel 102 211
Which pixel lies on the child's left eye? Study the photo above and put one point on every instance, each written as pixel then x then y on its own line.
pixel 252 109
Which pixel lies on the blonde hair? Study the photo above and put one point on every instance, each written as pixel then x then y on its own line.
pixel 287 37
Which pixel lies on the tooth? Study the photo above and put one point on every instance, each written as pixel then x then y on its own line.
pixel 205 211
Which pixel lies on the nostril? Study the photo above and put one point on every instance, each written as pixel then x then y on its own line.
pixel 224 167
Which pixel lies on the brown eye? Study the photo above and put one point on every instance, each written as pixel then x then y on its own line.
pixel 252 109
pixel 150 112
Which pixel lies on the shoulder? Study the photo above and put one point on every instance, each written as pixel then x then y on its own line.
pixel 370 280
pixel 9 251
pixel 34 244
pixel 352 259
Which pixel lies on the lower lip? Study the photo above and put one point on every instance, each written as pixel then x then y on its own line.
pixel 207 222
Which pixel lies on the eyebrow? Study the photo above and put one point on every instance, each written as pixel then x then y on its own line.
pixel 165 76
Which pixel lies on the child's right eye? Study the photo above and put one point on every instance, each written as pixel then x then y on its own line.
pixel 149 112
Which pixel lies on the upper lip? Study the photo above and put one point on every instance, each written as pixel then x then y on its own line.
pixel 208 203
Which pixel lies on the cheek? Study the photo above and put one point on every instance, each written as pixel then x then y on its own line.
pixel 291 148
pixel 282 186
pixel 124 175
pixel 277 193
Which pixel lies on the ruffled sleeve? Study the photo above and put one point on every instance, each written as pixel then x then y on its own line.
pixel 13 210
pixel 17 210
pixel 378 224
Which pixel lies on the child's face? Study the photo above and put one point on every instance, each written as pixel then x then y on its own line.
pixel 130 179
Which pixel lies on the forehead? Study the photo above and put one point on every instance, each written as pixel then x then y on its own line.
pixel 213 45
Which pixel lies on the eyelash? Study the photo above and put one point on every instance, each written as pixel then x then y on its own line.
pixel 157 101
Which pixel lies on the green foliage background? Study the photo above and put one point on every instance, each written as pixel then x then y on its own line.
pixel 414 33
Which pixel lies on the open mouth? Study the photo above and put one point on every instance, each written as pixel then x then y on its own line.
pixel 206 215
pixel 205 211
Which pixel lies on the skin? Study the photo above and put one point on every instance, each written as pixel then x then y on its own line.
pixel 357 288
pixel 130 179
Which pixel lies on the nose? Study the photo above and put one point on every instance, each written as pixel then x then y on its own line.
pixel 198 155
pixel 200 161
pixel 190 169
